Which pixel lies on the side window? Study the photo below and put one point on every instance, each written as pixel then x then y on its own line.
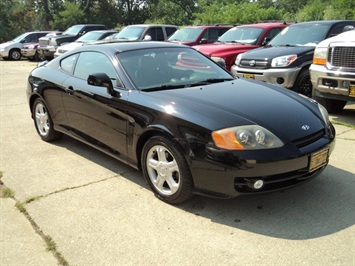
pixel 31 38
pixel 272 33
pixel 336 30
pixel 67 64
pixel 170 31
pixel 93 62
pixel 156 34
pixel 212 35
pixel 221 31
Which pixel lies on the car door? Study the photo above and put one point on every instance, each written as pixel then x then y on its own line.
pixel 93 114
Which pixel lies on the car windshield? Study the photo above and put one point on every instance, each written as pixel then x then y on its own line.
pixel 19 38
pixel 74 30
pixel 90 36
pixel 244 35
pixel 170 68
pixel 186 34
pixel 130 33
pixel 300 35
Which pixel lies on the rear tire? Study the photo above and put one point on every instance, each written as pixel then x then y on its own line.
pixel 43 122
pixel 166 171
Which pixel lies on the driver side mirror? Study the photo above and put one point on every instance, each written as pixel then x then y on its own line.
pixel 147 38
pixel 101 80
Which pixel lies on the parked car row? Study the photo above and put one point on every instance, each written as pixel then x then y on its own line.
pixel 273 52
pixel 286 59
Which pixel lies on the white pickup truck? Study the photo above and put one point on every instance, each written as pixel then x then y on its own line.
pixel 333 71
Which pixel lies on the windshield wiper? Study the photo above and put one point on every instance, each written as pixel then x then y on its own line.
pixel 209 81
pixel 164 87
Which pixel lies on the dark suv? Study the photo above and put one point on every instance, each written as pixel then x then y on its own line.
pixel 286 59
pixel 196 35
pixel 48 45
pixel 239 40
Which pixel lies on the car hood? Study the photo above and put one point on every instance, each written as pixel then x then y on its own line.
pixel 276 51
pixel 210 49
pixel 70 46
pixel 6 44
pixel 241 102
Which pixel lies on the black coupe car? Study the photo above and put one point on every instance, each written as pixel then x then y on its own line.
pixel 182 119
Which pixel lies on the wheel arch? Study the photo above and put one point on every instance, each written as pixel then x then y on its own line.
pixel 157 131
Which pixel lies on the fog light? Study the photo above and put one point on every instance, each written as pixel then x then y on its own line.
pixel 346 84
pixel 280 81
pixel 255 184
pixel 258 184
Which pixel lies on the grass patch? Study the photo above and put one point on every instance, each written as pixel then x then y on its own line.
pixel 20 207
pixel 7 192
pixel 343 124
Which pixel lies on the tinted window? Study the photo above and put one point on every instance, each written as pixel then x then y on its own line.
pixel 93 62
pixel 67 64
pixel 170 31
pixel 156 34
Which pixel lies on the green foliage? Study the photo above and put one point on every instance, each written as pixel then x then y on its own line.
pixel 72 14
pixel 18 16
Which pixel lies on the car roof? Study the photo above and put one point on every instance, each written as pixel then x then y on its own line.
pixel 151 25
pixel 210 26
pixel 129 46
pixel 321 22
pixel 264 24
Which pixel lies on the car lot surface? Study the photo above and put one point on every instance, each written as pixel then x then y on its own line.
pixel 98 211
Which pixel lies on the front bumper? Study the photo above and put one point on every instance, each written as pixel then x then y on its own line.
pixel 47 51
pixel 28 52
pixel 225 181
pixel 337 85
pixel 4 53
pixel 284 77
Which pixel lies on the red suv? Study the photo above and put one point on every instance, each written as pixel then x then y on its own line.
pixel 196 35
pixel 239 40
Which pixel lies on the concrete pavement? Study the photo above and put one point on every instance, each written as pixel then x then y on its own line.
pixel 90 209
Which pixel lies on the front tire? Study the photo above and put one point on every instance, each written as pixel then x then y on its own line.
pixel 303 84
pixel 15 54
pixel 166 171
pixel 43 122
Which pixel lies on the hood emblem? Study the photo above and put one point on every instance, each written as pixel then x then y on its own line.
pixel 306 127
pixel 252 63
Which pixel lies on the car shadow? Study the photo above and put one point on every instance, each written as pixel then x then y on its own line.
pixel 347 115
pixel 318 208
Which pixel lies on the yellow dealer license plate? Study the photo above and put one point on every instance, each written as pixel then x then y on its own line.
pixel 318 159
pixel 352 90
pixel 248 76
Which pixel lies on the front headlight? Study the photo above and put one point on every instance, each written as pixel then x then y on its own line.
pixel 324 113
pixel 237 60
pixel 320 56
pixel 250 137
pixel 283 61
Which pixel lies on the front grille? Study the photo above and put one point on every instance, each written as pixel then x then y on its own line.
pixel 43 42
pixel 254 64
pixel 340 56
pixel 309 139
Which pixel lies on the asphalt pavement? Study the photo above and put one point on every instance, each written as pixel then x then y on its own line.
pixel 72 205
